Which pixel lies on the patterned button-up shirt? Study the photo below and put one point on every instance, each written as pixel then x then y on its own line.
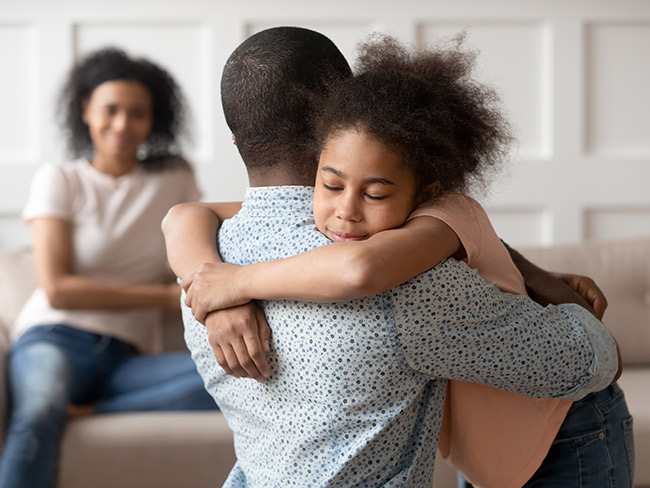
pixel 357 388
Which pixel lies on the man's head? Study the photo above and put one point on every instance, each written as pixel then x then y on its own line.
pixel 270 87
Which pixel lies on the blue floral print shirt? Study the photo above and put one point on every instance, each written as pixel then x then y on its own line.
pixel 357 388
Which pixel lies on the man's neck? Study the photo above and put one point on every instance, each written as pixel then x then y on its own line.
pixel 279 177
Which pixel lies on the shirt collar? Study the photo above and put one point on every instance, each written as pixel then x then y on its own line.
pixel 269 200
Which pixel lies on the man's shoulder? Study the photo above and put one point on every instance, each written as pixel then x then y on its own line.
pixel 449 282
pixel 262 238
pixel 447 271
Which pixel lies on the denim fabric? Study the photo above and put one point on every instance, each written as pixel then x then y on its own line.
pixel 594 447
pixel 53 366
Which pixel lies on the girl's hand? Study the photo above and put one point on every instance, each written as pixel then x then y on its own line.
pixel 587 289
pixel 239 337
pixel 211 287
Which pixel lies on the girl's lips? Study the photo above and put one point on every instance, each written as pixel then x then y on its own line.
pixel 338 237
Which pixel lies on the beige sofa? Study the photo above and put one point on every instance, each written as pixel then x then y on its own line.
pixel 139 450
pixel 195 449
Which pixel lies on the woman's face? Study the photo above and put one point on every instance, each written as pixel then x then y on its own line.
pixel 362 187
pixel 119 115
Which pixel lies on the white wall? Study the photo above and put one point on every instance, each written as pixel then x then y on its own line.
pixel 574 75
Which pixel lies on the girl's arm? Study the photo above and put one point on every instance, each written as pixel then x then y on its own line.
pixel 52 248
pixel 190 231
pixel 338 271
pixel 240 335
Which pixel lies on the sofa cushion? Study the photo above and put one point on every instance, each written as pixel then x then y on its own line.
pixel 622 270
pixel 17 281
pixel 134 450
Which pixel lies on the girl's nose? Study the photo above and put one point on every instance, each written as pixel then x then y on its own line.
pixel 348 208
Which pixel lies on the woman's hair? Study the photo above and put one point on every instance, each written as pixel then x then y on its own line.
pixel 110 64
pixel 424 104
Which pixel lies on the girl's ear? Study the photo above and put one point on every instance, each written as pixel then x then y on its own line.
pixel 429 192
pixel 234 140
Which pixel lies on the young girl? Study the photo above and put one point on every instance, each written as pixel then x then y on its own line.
pixel 398 142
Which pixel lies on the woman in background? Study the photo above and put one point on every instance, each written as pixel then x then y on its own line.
pixel 86 338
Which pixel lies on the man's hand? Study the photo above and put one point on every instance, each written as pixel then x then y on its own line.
pixel 555 288
pixel 211 287
pixel 239 337
pixel 587 289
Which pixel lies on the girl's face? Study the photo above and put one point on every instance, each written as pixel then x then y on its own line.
pixel 119 115
pixel 362 187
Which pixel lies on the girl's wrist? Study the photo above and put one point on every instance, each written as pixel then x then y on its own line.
pixel 241 284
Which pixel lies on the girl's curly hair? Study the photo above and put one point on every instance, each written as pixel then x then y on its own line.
pixel 424 104
pixel 110 64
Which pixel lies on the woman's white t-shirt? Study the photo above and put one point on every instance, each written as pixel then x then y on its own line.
pixel 116 238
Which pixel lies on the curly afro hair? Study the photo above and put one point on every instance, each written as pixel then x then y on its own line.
pixel 424 104
pixel 109 64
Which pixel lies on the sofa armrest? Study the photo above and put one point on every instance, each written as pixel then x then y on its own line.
pixel 4 387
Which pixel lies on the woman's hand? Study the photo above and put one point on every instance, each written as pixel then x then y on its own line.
pixel 587 289
pixel 171 297
pixel 212 287
pixel 239 337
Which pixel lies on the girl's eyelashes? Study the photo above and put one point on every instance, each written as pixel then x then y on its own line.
pixel 331 188
pixel 367 195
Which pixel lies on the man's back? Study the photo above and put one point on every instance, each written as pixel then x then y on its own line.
pixel 356 391
pixel 334 394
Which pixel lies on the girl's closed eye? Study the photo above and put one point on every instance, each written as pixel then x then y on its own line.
pixel 331 187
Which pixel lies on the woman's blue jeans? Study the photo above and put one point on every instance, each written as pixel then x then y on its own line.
pixel 594 447
pixel 53 366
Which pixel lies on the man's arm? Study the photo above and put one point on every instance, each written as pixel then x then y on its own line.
pixel 549 288
pixel 453 324
pixel 556 288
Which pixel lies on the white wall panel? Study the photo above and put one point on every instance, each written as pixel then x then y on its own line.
pixel 608 223
pixel 515 58
pixel 346 32
pixel 14 233
pixel 18 94
pixel 618 77
pixel 573 76
pixel 523 226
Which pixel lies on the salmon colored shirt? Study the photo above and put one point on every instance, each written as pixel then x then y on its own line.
pixel 497 439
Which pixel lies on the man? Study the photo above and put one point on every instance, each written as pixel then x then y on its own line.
pixel 357 389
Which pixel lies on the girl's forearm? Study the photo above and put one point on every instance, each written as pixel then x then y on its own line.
pixel 349 270
pixel 325 274
pixel 190 232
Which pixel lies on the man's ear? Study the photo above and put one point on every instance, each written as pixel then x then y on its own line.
pixel 429 192
pixel 234 139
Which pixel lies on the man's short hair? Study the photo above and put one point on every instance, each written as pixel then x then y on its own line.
pixel 270 87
